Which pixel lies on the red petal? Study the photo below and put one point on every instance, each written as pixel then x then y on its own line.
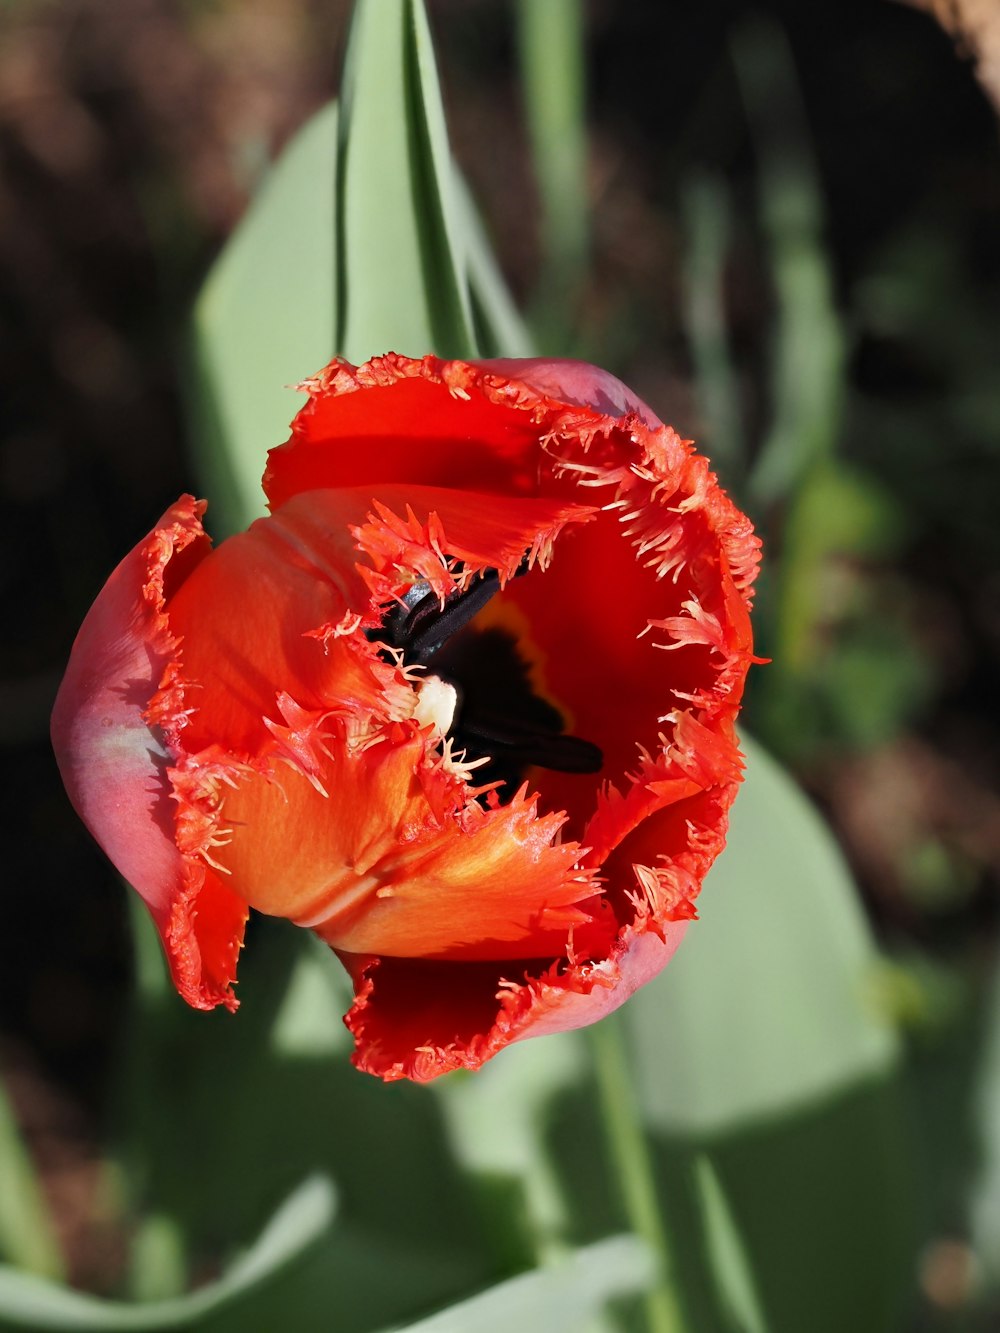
pixel 414 1019
pixel 243 618
pixel 667 565
pixel 296 754
pixel 114 765
pixel 403 429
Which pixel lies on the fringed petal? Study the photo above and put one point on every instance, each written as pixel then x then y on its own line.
pixel 400 860
pixel 260 738
pixel 115 763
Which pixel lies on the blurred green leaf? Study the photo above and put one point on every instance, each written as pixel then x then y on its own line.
pixel 31 1303
pixel 157 1266
pixel 494 1122
pixel 354 1281
pixel 27 1238
pixel 727 1252
pixel 706 209
pixel 294 1104
pixel 551 48
pixel 808 352
pixel 837 513
pixel 264 321
pixel 842 509
pixel 309 1020
pixel 763 1044
pixel 823 1201
pixel 769 1003
pixel 848 668
pixel 986 1197
pixel 401 283
pixel 559 1298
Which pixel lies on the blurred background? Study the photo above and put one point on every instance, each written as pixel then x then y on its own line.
pixel 788 244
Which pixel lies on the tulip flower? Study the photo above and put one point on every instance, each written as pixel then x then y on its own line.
pixel 463 704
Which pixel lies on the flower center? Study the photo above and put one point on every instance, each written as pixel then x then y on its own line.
pixel 498 716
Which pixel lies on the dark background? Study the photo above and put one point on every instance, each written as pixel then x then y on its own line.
pixel 131 135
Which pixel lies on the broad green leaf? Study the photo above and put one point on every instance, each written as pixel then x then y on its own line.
pixel 293 1104
pixel 308 1021
pixel 763 1044
pixel 263 322
pixel 823 1201
pixel 27 1239
pixel 401 282
pixel 769 1004
pixel 355 1281
pixel 559 1298
pixel 495 1120
pixel 32 1303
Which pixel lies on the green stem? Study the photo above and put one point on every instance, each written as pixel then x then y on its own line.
pixel 634 1168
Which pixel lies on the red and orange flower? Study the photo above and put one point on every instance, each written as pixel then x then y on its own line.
pixel 463 704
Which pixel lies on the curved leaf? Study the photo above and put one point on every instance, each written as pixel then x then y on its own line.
pixel 32 1303
pixel 264 321
pixel 559 1298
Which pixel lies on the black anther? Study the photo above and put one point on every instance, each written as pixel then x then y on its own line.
pixel 429 625
pixel 499 715
pixel 507 740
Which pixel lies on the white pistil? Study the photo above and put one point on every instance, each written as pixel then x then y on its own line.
pixel 437 701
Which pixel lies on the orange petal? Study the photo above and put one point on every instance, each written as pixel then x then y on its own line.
pixel 244 617
pixel 398 860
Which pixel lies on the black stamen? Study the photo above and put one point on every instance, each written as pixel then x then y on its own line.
pixel 500 716
pixel 505 739
pixel 428 625
pixel 420 626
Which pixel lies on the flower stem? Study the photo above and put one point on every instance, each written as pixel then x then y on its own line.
pixel 634 1169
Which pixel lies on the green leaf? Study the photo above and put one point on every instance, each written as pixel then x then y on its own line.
pixel 824 1202
pixel 263 322
pixel 727 1253
pixel 552 61
pixel 770 1003
pixel 706 213
pixel 763 1044
pixel 401 278
pixel 295 1105
pixel 494 1121
pixel 809 348
pixel 31 1303
pixel 986 1204
pixel 308 1023
pixel 559 1298
pixel 363 239
pixel 27 1238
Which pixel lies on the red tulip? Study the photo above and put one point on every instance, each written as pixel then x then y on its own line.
pixel 463 704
